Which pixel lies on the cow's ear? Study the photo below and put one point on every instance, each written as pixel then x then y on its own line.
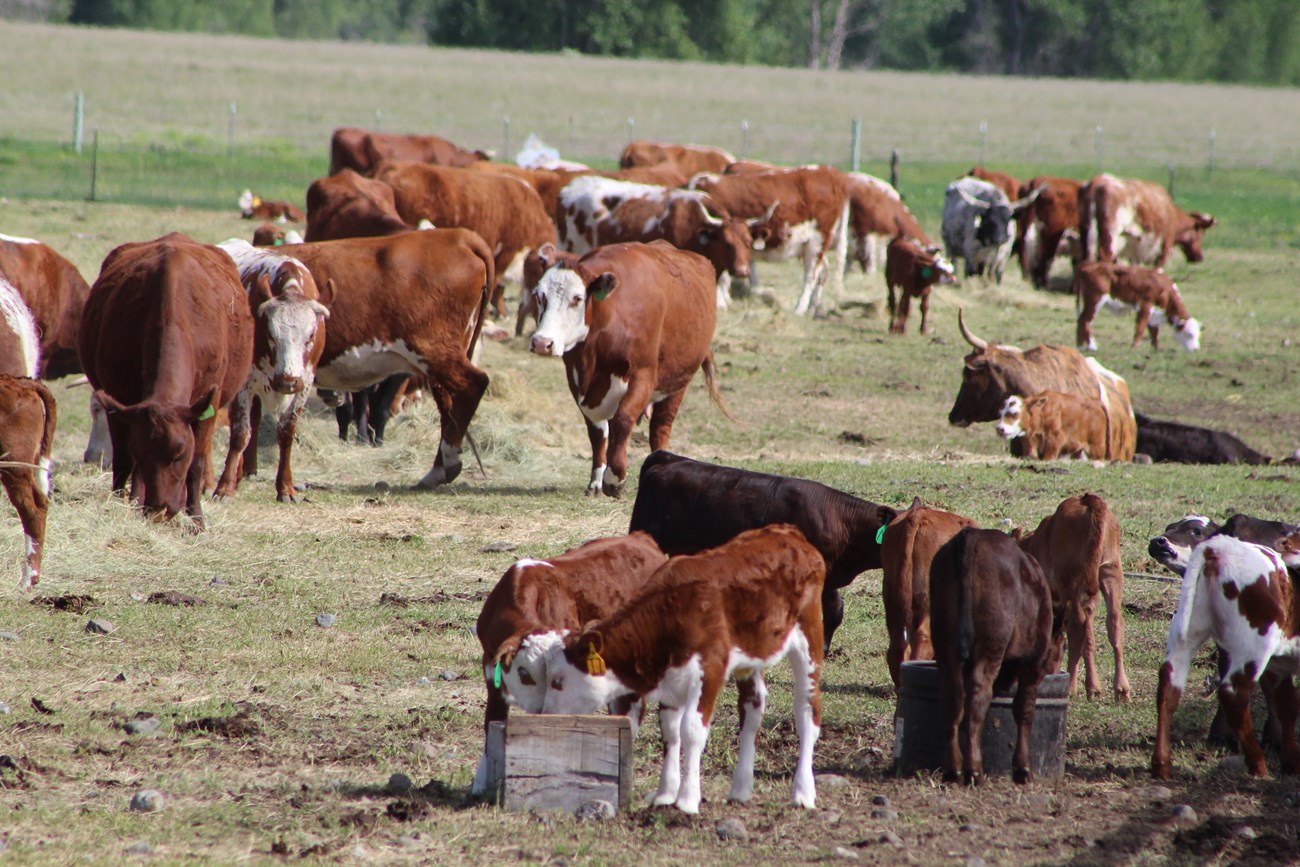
pixel 600 288
pixel 507 650
pixel 886 515
pixel 110 403
pixel 261 290
pixel 546 255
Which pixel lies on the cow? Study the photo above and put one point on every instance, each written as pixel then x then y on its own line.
pixel 253 207
pixel 507 213
pixel 271 235
pixel 408 303
pixel 1240 596
pixel 1009 186
pixel 535 265
pixel 1174 442
pixel 912 270
pixel 691 159
pixel 1137 221
pixel 564 592
pixel 1078 547
pixel 362 151
pixel 799 212
pixel 992 373
pixel 55 292
pixel 992 610
pixel 547 182
pixel 876 215
pixel 663 175
pixel 733 610
pixel 1053 424
pixel 369 408
pixel 976 226
pixel 20 343
pixel 633 322
pixel 189 355
pixel 28 417
pixel 347 205
pixel 1150 292
pixel 907 548
pixel 289 314
pixel 1047 224
pixel 689 505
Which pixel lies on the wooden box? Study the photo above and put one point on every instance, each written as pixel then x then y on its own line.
pixel 559 762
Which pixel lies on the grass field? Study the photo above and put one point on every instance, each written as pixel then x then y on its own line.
pixel 279 737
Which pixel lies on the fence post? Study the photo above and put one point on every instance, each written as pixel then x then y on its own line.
pixel 77 116
pixel 893 168
pixel 379 120
pixel 855 149
pixel 631 127
pixel 1209 160
pixel 505 137
pixel 1170 166
pixel 94 163
pixel 1097 147
pixel 230 130
pixel 744 139
pixel 984 134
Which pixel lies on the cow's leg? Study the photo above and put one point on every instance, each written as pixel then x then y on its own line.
pixel 249 467
pixel 1234 696
pixel 1280 692
pixel 751 700
pixel 925 310
pixel 806 662
pixel 1022 711
pixel 239 439
pixel 904 310
pixel 811 294
pixel 1043 267
pixel 198 471
pixel 1169 691
pixel 662 416
pixel 28 497
pixel 670 773
pixel 952 710
pixel 1083 335
pixel 1143 317
pixel 119 433
pixel 697 715
pixel 381 404
pixel 832 614
pixel 361 413
pixel 462 386
pixel 1087 613
pixel 598 436
pixel 286 428
pixel 723 291
pixel 630 408
pixel 343 414
pixel 1111 579
pixel 979 674
pixel 893 307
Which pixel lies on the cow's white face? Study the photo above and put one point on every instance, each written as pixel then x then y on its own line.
pixel 294 338
pixel 1188 335
pixel 1009 423
pixel 562 299
pixel 525 680
pixel 573 690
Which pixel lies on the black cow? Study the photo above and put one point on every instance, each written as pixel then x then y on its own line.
pixel 1173 442
pixel 370 408
pixel 687 506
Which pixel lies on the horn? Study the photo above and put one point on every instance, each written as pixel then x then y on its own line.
pixel 771 209
pixel 708 218
pixel 1026 201
pixel 972 201
pixel 965 332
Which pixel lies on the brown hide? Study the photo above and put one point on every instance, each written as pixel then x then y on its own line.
pixel 1052 213
pixel 1144 288
pixel 1056 424
pixel 814 193
pixel 361 151
pixel 682 218
pixel 55 292
pixel 912 271
pixel 264 210
pixel 690 159
pixel 1004 182
pixel 1101 200
pixel 346 205
pixel 874 211
pixel 667 174
pixel 547 182
pixel 28 416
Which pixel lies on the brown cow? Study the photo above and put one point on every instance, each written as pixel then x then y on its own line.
pixel 992 373
pixel 28 416
pixel 912 270
pixel 907 548
pixel 547 182
pixel 1004 182
pixel 253 207
pixel 876 215
pixel 20 348
pixel 1149 291
pixel 271 235
pixel 567 591
pixel 1078 548
pixel 189 355
pixel 1138 221
pixel 735 609
pixel 507 213
pixel 992 610
pixel 633 323
pixel 407 303
pixel 346 205
pixel 691 159
pixel 1049 223
pixel 1053 424
pixel 361 150
pixel 55 293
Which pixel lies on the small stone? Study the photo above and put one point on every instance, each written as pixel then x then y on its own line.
pixel 970 828
pixel 1244 831
pixel 884 814
pixel 218 581
pixel 449 675
pixel 1235 764
pixel 974 861
pixel 399 784
pixel 148 801
pixel 147 726
pixel 731 829
pixel 1154 793
pixel 8 636
pixel 880 801
pixel 1143 459
pixel 595 811
pixel 498 548
pixel 325 621
pixel 139 849
pixel 423 681
pixel 138 596
pixel 846 854
pixel 4 708
pixel 424 749
pixel 832 818
pixel 832 781
pixel 1182 815
pixel 99 627
pixel 891 838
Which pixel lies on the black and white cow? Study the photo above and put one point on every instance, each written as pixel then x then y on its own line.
pixel 977 227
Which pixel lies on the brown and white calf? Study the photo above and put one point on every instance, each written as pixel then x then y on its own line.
pixel 1078 548
pixel 907 549
pixel 633 322
pixel 736 609
pixel 289 316
pixel 253 207
pixel 1053 424
pixel 559 593
pixel 1241 597
pixel 912 270
pixel 1149 291
pixel 28 416
pixel 992 611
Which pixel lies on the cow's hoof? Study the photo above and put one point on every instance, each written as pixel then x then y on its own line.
pixel 612 488
pixel 439 476
pixel 286 498
pixel 1161 770
pixel 1021 776
pixel 592 491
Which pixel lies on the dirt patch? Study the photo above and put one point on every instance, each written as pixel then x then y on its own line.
pixel 174 597
pixel 237 726
pixel 71 603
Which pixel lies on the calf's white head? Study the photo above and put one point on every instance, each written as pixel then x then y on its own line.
pixel 523 666
pixel 578 681
pixel 1009 422
pixel 564 298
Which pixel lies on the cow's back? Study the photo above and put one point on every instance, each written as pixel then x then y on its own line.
pixel 55 293
pixel 347 205
pixel 1060 368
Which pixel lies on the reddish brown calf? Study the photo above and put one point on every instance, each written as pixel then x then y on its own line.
pixel 28 416
pixel 912 270
pixel 1149 291
pixel 1053 424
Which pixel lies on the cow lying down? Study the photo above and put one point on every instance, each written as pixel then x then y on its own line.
pixel 1174 442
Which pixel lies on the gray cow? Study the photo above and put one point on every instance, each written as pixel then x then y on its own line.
pixel 977 225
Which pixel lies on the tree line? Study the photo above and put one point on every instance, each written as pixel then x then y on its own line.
pixel 1244 41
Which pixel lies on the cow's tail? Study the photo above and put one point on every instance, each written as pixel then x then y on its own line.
pixel 964 641
pixel 1102 220
pixel 489 283
pixel 711 382
pixel 1098 512
pixel 47 433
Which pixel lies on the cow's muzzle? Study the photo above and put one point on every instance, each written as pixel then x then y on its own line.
pixel 283 384
pixel 542 345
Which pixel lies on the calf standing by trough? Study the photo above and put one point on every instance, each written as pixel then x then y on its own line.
pixel 738 608
pixel 633 322
pixel 1149 291
pixel 28 416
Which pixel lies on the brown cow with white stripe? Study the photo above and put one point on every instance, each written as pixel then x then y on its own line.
pixel 1136 220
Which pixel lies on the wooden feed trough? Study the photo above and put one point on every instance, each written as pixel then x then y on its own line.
pixel 560 762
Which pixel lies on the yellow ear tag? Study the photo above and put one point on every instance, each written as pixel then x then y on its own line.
pixel 595 662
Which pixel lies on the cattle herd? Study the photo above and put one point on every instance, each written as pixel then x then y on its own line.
pixel 410 246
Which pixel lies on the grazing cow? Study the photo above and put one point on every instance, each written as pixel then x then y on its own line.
pixel 20 346
pixel 906 550
pixel 736 609
pixel 912 270
pixel 55 293
pixel 1136 221
pixel 992 373
pixel 28 416
pixel 876 215
pixel 1174 442
pixel 1240 596
pixel 507 213
pixel 1053 424
pixel 271 235
pixel 991 606
pixel 560 593
pixel 289 314
pixel 1148 291
pixel 688 506
pixel 633 322
pixel 362 151
pixel 408 303
pixel 1009 186
pixel 1046 225
pixel 346 205
pixel 691 159
pixel 1078 548
pixel 976 226
pixel 253 207
pixel 800 212
pixel 189 355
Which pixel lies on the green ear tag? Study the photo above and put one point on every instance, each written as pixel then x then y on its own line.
pixel 496 675
pixel 207 413
pixel 927 272
pixel 880 535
